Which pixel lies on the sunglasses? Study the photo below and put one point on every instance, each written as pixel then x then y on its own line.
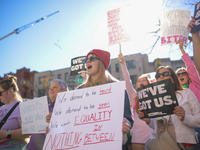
pixel 183 74
pixel 164 74
pixel 91 59
pixel 2 92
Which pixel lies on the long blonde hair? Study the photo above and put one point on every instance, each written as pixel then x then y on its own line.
pixel 103 77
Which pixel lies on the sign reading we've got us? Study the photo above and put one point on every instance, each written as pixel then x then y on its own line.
pixel 88 119
pixel 77 65
pixel 157 99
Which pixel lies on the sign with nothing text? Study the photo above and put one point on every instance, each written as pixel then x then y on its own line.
pixel 116 31
pixel 157 99
pixel 88 119
pixel 197 18
pixel 77 65
pixel 33 115
pixel 174 26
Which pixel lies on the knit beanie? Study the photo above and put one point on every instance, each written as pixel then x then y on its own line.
pixel 104 55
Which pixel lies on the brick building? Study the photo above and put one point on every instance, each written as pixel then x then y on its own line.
pixel 25 82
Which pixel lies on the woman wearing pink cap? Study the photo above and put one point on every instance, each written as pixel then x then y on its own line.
pixel 97 63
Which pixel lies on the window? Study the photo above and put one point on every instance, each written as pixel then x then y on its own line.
pixel 66 76
pixel 20 82
pixel 31 80
pixel 31 93
pixel 25 93
pixel 40 92
pixel 133 79
pixel 59 76
pixel 117 67
pixel 130 64
pixel 41 80
pixel 109 68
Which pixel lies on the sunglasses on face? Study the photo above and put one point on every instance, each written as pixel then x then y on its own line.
pixel 91 59
pixel 164 74
pixel 183 74
pixel 2 92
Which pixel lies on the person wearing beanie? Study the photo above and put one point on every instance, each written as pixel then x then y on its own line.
pixel 97 62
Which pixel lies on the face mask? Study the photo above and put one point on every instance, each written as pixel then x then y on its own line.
pixel 185 86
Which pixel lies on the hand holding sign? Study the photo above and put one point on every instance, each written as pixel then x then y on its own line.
pixel 191 24
pixel 180 112
pixel 157 99
pixel 197 18
pixel 121 58
pixel 141 116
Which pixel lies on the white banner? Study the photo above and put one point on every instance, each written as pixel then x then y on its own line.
pixel 174 26
pixel 33 115
pixel 88 119
pixel 116 29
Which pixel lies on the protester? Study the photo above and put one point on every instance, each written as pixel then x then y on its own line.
pixel 140 131
pixel 97 62
pixel 11 137
pixel 186 116
pixel 196 44
pixel 37 140
pixel 188 77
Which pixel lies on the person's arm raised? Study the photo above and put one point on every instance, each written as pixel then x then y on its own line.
pixel 196 44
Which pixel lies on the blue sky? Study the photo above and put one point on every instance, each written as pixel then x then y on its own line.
pixel 80 25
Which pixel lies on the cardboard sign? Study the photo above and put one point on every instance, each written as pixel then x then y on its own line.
pixel 157 99
pixel 88 119
pixel 150 76
pixel 116 31
pixel 77 65
pixel 174 26
pixel 33 115
pixel 197 18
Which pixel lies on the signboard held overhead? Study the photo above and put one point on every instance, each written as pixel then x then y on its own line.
pixel 174 26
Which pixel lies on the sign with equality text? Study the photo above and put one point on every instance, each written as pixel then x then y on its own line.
pixel 174 26
pixel 77 65
pixel 88 119
pixel 157 99
pixel 33 115
pixel 116 31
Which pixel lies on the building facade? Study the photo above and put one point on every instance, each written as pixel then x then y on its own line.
pixel 42 80
pixel 137 64
pixel 25 82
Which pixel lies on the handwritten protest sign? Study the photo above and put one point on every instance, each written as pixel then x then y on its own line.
pixel 77 65
pixel 33 115
pixel 150 76
pixel 174 26
pixel 197 18
pixel 116 31
pixel 88 119
pixel 157 99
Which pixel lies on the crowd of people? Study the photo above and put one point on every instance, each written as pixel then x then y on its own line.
pixel 138 132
